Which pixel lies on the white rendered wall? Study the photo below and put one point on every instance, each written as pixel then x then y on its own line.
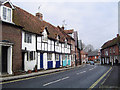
pixel 53 59
pixel 38 60
pixel 29 46
pixel 39 45
pixel 29 65
pixel 45 61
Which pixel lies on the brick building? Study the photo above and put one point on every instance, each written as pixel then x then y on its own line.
pixel 10 42
pixel 110 51
pixel 84 56
pixel 94 56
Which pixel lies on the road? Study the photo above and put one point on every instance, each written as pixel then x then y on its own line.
pixel 79 77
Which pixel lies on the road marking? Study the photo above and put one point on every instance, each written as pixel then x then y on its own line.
pixel 55 81
pixel 6 82
pixel 106 78
pixel 91 69
pixel 93 85
pixel 81 72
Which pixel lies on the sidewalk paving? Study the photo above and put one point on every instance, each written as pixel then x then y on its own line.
pixel 113 79
pixel 9 78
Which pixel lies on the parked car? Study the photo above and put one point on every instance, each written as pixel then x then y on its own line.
pixel 88 62
pixel 91 63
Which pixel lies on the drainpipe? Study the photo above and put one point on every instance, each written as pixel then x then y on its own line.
pixel 0 59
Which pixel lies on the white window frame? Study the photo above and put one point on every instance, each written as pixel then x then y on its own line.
pixel 49 58
pixel 45 36
pixel 65 43
pixel 28 55
pixel 6 15
pixel 26 35
pixel 57 57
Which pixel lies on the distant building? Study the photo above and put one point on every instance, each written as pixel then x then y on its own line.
pixel 94 56
pixel 110 51
pixel 84 56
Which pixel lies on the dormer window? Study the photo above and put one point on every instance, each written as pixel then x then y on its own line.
pixel 65 43
pixel 44 37
pixel 6 14
pixel 58 38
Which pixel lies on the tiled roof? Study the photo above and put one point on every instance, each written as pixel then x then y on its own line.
pixel 32 24
pixel 69 31
pixel 112 42
pixel 93 53
pixel 64 35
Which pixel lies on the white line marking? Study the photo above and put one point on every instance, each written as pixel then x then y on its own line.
pixel 81 72
pixel 91 69
pixel 65 78
pixel 55 81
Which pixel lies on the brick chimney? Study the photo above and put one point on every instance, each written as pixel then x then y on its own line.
pixel 39 15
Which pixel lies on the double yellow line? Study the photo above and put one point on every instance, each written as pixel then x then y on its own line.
pixel 93 85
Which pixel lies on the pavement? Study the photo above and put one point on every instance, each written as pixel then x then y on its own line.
pixel 78 77
pixel 26 75
pixel 113 79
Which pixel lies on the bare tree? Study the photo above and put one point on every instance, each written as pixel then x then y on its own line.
pixel 89 48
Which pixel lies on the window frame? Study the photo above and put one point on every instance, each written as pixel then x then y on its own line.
pixel 45 36
pixel 49 58
pixel 27 37
pixel 7 19
pixel 29 58
pixel 56 57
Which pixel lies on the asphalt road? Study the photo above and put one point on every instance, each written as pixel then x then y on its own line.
pixel 82 77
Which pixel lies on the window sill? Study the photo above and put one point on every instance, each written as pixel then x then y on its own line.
pixel 7 21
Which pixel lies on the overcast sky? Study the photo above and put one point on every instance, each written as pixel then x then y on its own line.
pixel 96 21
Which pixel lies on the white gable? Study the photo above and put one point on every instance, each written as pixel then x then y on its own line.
pixel 7 1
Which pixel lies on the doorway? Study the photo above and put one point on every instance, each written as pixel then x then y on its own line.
pixel 4 59
pixel 23 57
pixel 41 60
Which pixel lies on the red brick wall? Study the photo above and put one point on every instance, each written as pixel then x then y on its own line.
pixel 13 34
pixel 92 58
pixel 116 51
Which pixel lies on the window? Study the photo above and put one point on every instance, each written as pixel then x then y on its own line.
pixel 44 37
pixel 49 56
pixel 110 51
pixel 57 57
pixel 68 57
pixel 106 52
pixel 57 42
pixel 28 38
pixel 30 55
pixel 65 43
pixel 6 14
pixel 113 49
pixel 63 57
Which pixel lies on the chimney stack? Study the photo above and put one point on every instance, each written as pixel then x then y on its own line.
pixel 39 15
